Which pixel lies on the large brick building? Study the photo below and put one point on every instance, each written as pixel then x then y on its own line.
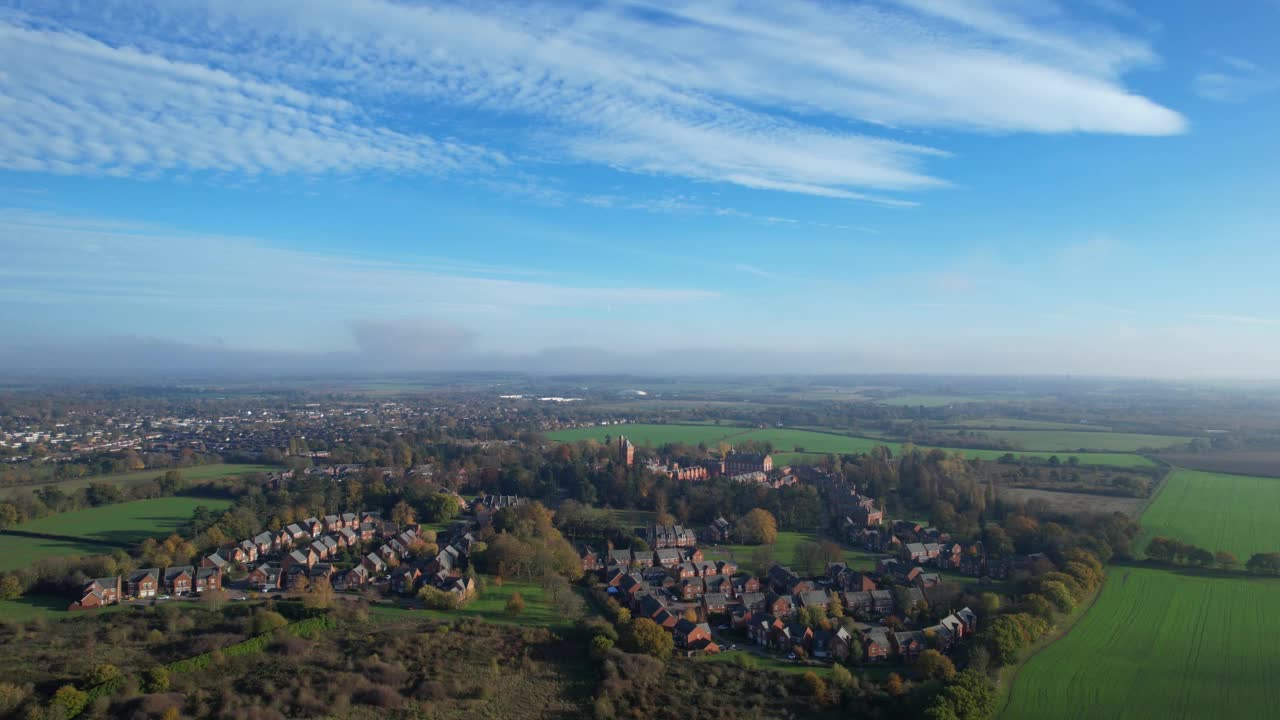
pixel 626 451
pixel 740 463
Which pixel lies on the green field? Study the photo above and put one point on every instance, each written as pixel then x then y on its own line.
pixel 1019 424
pixel 1159 644
pixel 814 443
pixel 195 473
pixel 492 604
pixel 1068 440
pixel 650 435
pixel 942 400
pixel 99 530
pixel 1236 513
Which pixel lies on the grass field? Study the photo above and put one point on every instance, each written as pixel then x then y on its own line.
pixel 1236 513
pixel 1068 440
pixel 1019 424
pixel 98 530
pixel 815 444
pixel 1159 644
pixel 492 604
pixel 651 435
pixel 195 473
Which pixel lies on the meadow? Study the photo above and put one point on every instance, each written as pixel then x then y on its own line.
pixel 195 473
pixel 1160 644
pixel 814 444
pixel 1020 424
pixel 1236 513
pixel 492 606
pixel 1069 440
pixel 99 530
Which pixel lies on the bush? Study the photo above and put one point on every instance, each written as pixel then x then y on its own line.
pixel 515 605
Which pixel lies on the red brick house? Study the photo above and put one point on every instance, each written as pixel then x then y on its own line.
pixel 687 633
pixel 98 593
pixel 908 645
pixel 143 584
pixel 208 579
pixel 876 645
pixel 179 580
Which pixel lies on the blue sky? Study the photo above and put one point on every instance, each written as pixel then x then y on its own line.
pixel 901 185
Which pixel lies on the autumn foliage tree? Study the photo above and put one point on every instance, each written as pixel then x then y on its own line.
pixel 758 527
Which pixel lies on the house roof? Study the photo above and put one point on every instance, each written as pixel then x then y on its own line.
pixel 141 573
pixel 173 572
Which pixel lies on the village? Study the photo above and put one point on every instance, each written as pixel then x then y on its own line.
pixel 889 613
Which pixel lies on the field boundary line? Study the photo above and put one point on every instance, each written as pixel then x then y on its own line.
pixel 65 538
pixel 1007 695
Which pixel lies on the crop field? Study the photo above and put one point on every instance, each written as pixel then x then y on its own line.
pixel 1019 424
pixel 1236 513
pixel 1068 440
pixel 128 522
pixel 1243 462
pixel 1160 644
pixel 815 444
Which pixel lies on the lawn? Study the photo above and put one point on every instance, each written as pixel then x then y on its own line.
pixel 1068 440
pixel 49 606
pixel 17 552
pixel 784 551
pixel 1236 513
pixel 815 444
pixel 196 473
pixel 492 604
pixel 1160 644
pixel 129 522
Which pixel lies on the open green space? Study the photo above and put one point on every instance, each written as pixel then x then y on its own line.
pixel 491 606
pixel 29 607
pixel 1160 644
pixel 814 444
pixel 650 435
pixel 18 552
pixel 927 400
pixel 195 473
pixel 1069 440
pixel 1236 513
pixel 1020 424
pixel 128 522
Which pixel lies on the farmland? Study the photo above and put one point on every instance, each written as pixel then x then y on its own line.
pixel 1236 513
pixel 815 444
pixel 195 473
pixel 1069 440
pixel 1020 424
pixel 1159 644
pixel 100 529
pixel 1073 503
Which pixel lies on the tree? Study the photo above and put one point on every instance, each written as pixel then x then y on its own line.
pixel 101 673
pixel 971 696
pixel 402 513
pixel 320 595
pixel 600 646
pixel 648 637
pixel 156 680
pixel 758 527
pixel 10 587
pixel 70 700
pixel 935 666
pixel 762 559
pixel 1058 594
pixel 1225 559
pixel 813 686
pixel 515 605
pixel 265 621
pixel 8 515
pixel 1264 564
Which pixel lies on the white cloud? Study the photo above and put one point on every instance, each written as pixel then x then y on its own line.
pixel 792 97
pixel 1235 80
pixel 101 264
pixel 75 105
